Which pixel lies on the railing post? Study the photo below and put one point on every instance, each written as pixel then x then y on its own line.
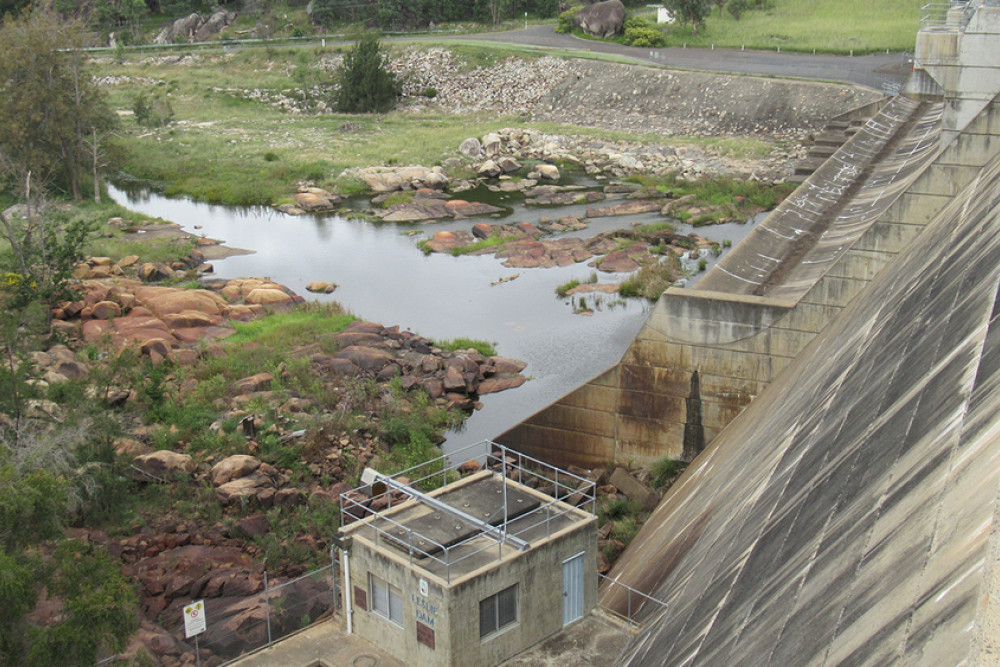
pixel 337 583
pixel 267 608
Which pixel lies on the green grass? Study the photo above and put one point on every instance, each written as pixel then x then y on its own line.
pixel 304 324
pixel 662 470
pixel 114 243
pixel 654 227
pixel 651 280
pixel 826 26
pixel 484 348
pixel 490 242
pixel 222 148
pixel 561 290
pixel 718 191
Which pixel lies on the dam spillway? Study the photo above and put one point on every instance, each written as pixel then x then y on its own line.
pixel 848 515
pixel 705 353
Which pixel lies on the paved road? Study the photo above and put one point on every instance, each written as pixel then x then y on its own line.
pixel 872 71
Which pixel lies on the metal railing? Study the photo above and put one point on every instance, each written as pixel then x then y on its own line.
pixel 952 15
pixel 255 622
pixel 636 601
pixel 569 492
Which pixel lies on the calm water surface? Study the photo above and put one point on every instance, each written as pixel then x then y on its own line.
pixel 384 278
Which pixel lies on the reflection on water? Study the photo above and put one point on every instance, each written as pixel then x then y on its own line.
pixel 384 278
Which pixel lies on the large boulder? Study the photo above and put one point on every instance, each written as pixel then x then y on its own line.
pixel 163 301
pixel 214 25
pixel 367 358
pixel 234 467
pixel 492 144
pixel 602 19
pixel 163 465
pixel 384 182
pixel 471 148
pixel 255 383
pixel 195 27
pixel 549 171
pixel 489 169
pixel 184 27
pixel 269 297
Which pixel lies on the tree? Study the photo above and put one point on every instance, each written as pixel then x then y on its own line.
pixel 689 12
pixel 49 105
pixel 499 10
pixel 737 8
pixel 12 6
pixel 365 84
pixel 120 15
pixel 328 12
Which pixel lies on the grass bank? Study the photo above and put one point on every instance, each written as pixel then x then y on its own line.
pixel 233 142
pixel 823 26
pixel 225 147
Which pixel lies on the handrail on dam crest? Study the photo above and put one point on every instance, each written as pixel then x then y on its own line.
pixel 641 599
pixel 936 15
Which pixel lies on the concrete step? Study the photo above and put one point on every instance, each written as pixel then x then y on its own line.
pixel 824 151
pixel 830 139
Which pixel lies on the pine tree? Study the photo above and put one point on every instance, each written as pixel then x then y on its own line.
pixel 365 84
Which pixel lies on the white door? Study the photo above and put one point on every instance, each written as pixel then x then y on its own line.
pixel 573 588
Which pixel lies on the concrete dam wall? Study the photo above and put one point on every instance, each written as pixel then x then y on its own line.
pixel 706 352
pixel 848 516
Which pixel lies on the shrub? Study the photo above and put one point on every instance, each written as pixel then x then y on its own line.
pixel 365 85
pixel 155 113
pixel 651 280
pixel 567 20
pixel 645 36
pixel 663 469
pixel 737 8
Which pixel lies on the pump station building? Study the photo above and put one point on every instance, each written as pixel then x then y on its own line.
pixel 474 571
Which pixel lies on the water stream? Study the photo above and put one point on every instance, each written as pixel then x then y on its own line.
pixel 383 277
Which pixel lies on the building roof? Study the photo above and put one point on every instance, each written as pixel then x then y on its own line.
pixel 467 525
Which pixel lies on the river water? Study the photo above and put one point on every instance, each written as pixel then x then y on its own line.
pixel 384 278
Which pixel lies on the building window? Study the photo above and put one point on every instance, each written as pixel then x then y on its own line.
pixel 386 599
pixel 498 611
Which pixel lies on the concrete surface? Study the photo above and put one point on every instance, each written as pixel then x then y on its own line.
pixel 321 645
pixel 594 640
pixel 848 516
